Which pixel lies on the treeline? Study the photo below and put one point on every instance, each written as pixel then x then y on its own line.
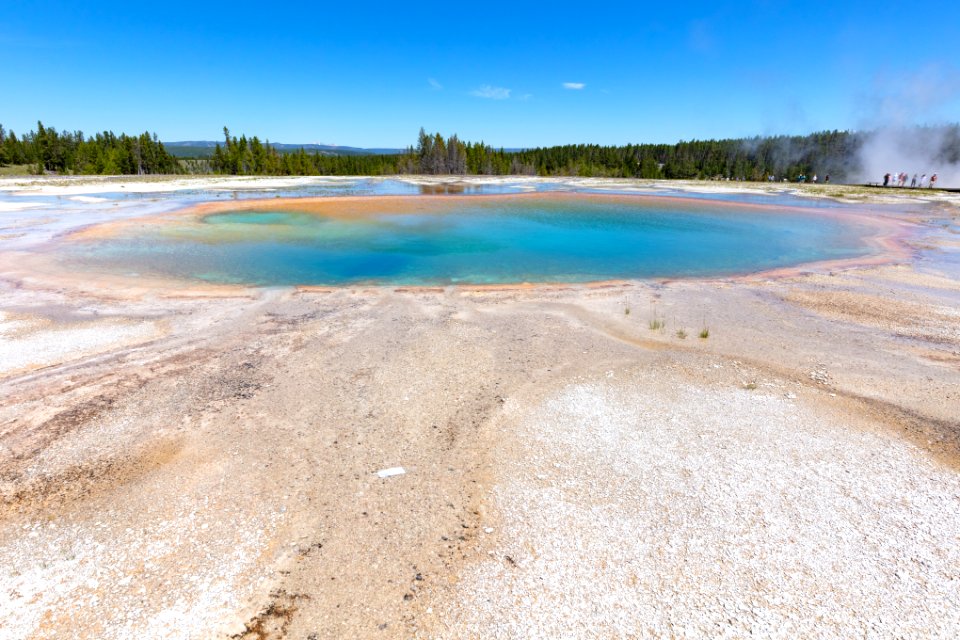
pixel 433 155
pixel 47 149
pixel 760 158
pixel 242 156
pixel 838 154
pixel 834 153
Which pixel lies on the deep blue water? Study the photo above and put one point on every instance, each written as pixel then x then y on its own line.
pixel 481 241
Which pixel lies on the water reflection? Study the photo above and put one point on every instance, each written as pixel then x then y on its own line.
pixel 454 188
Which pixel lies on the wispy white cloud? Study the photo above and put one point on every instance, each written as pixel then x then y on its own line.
pixel 436 86
pixel 525 97
pixel 576 86
pixel 493 93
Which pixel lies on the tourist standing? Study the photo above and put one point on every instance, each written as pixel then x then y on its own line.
pixel 913 183
pixel 933 180
pixel 886 179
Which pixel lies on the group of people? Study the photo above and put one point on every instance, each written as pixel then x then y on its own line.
pixel 900 180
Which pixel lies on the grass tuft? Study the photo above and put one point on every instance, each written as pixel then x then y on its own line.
pixel 704 333
pixel 682 334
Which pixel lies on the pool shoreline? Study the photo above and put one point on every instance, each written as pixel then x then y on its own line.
pixel 886 245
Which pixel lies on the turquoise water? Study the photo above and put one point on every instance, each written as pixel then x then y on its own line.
pixel 480 241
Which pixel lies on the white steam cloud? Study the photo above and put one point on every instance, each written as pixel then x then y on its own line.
pixel 916 151
pixel 894 143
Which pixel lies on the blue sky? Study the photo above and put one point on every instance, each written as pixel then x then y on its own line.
pixel 365 74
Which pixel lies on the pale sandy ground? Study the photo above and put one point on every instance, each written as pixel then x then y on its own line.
pixel 86 188
pixel 86 185
pixel 196 466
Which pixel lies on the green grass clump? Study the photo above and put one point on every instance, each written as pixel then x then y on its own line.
pixel 682 334
pixel 18 170
pixel 626 311
pixel 704 333
pixel 656 324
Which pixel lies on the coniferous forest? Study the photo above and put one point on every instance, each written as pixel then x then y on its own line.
pixel 71 152
pixel 834 153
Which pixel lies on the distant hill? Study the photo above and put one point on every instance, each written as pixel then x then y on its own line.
pixel 204 149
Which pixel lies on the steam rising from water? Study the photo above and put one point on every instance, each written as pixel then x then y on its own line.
pixel 915 150
pixel 893 143
pixel 890 139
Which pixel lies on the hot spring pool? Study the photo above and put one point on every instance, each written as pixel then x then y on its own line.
pixel 473 240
